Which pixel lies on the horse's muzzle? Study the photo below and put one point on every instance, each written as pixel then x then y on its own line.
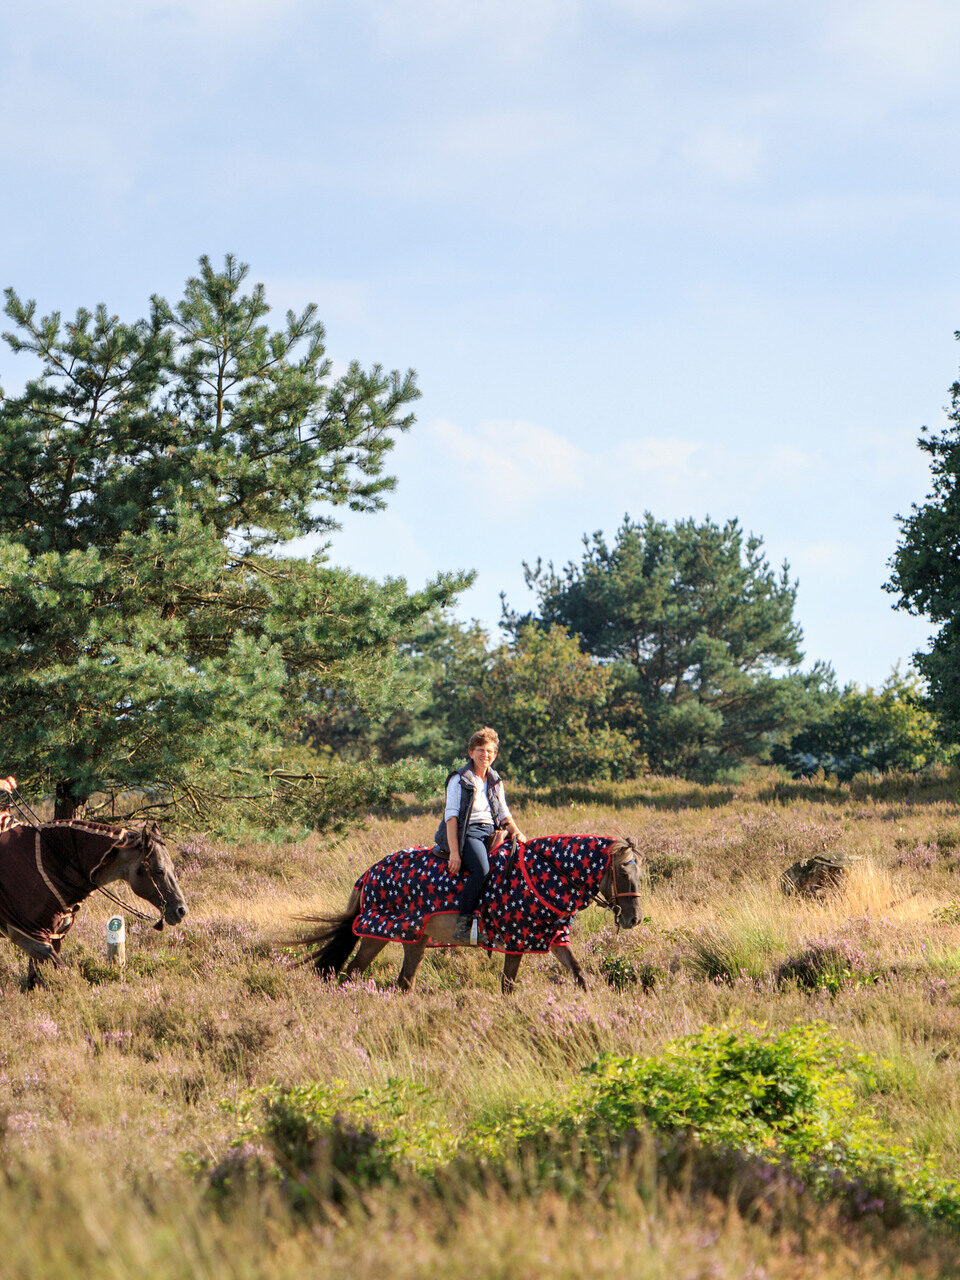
pixel 173 913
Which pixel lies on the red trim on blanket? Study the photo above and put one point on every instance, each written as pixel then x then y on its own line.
pixel 521 863
pixel 501 850
pixel 560 911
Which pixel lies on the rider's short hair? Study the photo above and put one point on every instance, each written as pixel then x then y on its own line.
pixel 484 735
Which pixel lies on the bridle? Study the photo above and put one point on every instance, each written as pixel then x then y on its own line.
pixel 145 868
pixel 610 901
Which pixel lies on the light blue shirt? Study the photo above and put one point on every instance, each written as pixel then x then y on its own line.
pixel 481 805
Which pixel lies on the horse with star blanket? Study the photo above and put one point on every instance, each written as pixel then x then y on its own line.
pixel 529 900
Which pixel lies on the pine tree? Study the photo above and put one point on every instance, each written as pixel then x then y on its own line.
pixel 152 631
pixel 701 632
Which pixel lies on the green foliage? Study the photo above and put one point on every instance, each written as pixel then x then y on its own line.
pixel 826 967
pixel 151 633
pixel 702 631
pixel 870 731
pixel 551 704
pixel 924 568
pixel 621 973
pixel 790 1098
pixel 325 1142
pixel 416 709
pixel 788 1093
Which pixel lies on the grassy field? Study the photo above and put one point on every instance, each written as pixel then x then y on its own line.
pixel 136 1114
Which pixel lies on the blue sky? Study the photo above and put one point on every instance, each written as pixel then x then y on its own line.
pixel 697 258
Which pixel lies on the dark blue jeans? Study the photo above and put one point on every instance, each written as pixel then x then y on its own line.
pixel 476 863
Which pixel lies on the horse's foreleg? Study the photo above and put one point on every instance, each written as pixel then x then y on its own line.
pixel 569 962
pixel 37 952
pixel 367 952
pixel 412 955
pixel 511 963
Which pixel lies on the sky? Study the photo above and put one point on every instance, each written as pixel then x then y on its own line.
pixel 692 257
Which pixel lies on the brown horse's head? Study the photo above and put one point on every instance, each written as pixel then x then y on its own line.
pixel 147 868
pixel 622 885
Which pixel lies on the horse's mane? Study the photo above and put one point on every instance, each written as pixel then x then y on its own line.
pixel 123 837
pixel 95 828
pixel 620 846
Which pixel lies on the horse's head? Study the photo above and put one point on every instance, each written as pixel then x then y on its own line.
pixel 147 868
pixel 622 884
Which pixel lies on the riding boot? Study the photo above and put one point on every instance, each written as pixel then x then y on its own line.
pixel 462 930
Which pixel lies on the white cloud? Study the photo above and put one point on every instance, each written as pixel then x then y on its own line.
pixel 528 463
pixel 500 136
pixel 651 453
pixel 827 559
pixel 904 42
pixel 228 18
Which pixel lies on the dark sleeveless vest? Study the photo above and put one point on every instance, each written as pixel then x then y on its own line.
pixel 466 806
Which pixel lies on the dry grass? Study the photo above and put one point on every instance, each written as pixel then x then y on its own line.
pixel 105 1086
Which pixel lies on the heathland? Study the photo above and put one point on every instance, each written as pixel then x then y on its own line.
pixel 221 1112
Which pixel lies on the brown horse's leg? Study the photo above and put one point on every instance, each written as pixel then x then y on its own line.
pixel 569 961
pixel 412 955
pixel 367 952
pixel 511 963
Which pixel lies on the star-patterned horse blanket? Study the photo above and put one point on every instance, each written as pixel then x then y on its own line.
pixel 528 900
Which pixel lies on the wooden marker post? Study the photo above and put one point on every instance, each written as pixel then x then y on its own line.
pixel 116 941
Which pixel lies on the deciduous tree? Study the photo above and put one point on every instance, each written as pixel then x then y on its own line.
pixel 926 568
pixel 869 731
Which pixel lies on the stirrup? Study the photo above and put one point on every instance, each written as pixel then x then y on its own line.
pixel 465 935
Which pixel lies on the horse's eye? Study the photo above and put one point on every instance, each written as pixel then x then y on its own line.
pixel 631 863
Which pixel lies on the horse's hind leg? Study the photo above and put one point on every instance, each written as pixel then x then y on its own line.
pixel 412 955
pixel 511 963
pixel 367 952
pixel 569 962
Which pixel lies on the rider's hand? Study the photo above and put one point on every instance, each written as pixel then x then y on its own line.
pixel 8 784
pixel 453 866
pixel 521 838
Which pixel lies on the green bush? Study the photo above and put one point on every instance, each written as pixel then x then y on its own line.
pixel 735 1110
pixel 782 1108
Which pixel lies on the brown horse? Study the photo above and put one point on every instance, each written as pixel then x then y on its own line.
pixel 47 871
pixel 528 902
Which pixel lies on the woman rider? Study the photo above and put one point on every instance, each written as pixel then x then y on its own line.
pixel 475 810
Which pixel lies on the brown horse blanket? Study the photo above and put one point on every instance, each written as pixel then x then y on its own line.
pixel 42 881
pixel 527 903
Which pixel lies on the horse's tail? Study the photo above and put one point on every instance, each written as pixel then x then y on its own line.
pixel 331 939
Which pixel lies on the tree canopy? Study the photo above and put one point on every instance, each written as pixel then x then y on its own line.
pixel 869 731
pixel 701 631
pixel 152 630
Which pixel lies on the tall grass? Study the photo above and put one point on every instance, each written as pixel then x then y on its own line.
pixel 114 1093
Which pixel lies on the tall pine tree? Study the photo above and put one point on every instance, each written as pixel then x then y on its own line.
pixel 701 631
pixel 152 632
